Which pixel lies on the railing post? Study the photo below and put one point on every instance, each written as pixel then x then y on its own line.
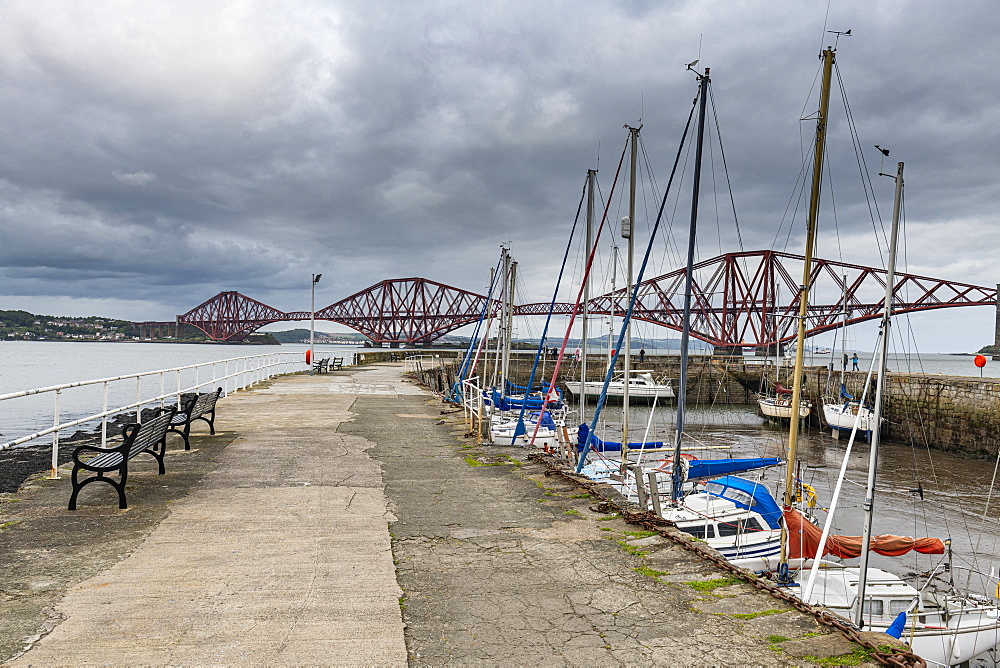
pixel 104 420
pixel 178 389
pixel 54 473
pixel 163 390
pixel 654 492
pixel 640 486
pixel 138 398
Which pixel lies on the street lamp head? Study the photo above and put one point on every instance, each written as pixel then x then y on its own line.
pixel 316 277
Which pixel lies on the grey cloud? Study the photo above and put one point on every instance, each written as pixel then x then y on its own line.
pixel 170 150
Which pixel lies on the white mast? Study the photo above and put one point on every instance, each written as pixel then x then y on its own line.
pixel 890 290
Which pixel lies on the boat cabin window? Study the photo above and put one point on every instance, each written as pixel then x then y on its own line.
pixel 749 524
pixel 730 528
pixel 737 495
pixel 898 605
pixel 700 530
pixel 874 608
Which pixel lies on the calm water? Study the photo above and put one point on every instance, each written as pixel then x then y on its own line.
pixel 26 365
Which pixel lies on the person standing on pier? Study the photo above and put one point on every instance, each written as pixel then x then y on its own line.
pixel 854 360
pixel 845 361
pixel 642 355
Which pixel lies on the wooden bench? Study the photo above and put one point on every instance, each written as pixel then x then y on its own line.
pixel 337 363
pixel 321 366
pixel 150 436
pixel 195 407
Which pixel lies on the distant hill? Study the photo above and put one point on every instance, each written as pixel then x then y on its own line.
pixel 301 335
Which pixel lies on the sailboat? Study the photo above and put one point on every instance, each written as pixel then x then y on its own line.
pixel 843 411
pixel 509 424
pixel 734 515
pixel 642 387
pixel 778 405
pixel 946 628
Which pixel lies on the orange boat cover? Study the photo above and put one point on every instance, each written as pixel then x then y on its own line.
pixel 781 389
pixel 804 537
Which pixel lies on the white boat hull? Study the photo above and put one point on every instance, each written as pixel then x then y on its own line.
pixel 636 391
pixel 957 631
pixel 503 433
pixel 781 409
pixel 842 416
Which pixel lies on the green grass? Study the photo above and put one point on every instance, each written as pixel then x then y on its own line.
pixel 649 572
pixel 632 549
pixel 777 639
pixel 711 585
pixel 855 658
pixel 755 615
pixel 580 496
pixel 571 512
pixel 7 525
pixel 606 529
pixel 640 534
pixel 609 518
pixel 474 463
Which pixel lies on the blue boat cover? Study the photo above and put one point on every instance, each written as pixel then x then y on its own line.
pixel 609 446
pixel 747 494
pixel 713 468
pixel 844 393
pixel 512 403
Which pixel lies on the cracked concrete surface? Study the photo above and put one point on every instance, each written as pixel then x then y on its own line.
pixel 503 566
pixel 328 512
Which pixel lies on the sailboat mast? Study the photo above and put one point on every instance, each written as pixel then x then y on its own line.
pixel 676 487
pixel 883 349
pixel 628 227
pixel 588 243
pixel 505 322
pixel 817 180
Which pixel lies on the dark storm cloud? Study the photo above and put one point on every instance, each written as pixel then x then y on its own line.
pixel 158 153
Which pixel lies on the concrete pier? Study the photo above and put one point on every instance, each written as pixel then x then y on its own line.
pixel 345 519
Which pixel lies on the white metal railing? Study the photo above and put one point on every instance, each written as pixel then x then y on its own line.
pixel 417 363
pixel 231 374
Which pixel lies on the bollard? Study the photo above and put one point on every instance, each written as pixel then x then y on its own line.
pixel 640 488
pixel 654 493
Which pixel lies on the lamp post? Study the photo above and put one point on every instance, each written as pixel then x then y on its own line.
pixel 312 322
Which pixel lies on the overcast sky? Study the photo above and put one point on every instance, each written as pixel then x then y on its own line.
pixel 155 153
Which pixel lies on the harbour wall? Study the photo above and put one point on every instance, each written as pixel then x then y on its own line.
pixel 958 414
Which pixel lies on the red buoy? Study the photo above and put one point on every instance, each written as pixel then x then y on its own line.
pixel 309 356
pixel 980 361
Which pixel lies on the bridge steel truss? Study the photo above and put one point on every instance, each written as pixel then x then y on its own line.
pixel 745 299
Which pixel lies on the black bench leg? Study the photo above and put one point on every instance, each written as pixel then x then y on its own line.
pixel 120 486
pixel 76 490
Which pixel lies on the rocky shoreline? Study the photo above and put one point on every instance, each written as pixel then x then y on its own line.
pixel 20 463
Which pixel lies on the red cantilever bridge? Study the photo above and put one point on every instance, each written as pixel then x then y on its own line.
pixel 739 299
